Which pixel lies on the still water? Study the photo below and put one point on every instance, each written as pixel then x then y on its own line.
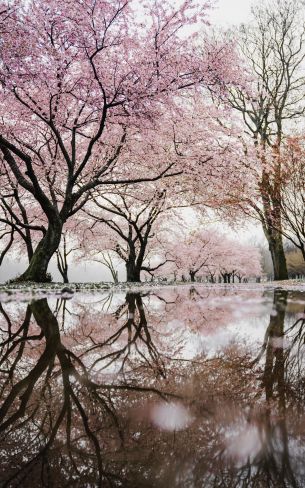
pixel 183 387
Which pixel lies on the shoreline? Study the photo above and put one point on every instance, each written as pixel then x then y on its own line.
pixel 39 290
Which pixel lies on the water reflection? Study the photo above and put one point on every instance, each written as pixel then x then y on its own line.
pixel 176 388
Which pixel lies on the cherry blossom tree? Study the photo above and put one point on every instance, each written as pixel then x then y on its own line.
pixel 82 85
pixel 132 218
pixel 242 261
pixel 198 252
pixel 211 254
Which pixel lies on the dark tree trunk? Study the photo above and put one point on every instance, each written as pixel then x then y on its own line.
pixel 37 269
pixel 133 271
pixel 192 275
pixel 29 247
pixel 134 262
pixel 224 278
pixel 303 251
pixel 62 261
pixel 62 267
pixel 272 225
pixel 278 256
pixel 64 275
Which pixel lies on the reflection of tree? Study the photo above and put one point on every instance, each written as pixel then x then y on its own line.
pixel 272 465
pixel 76 402
pixel 136 338
pixel 18 407
pixel 50 392
pixel 274 372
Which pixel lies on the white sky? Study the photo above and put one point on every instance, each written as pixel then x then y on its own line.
pixel 229 12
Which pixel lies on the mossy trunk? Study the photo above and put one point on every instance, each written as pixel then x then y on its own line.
pixel 37 269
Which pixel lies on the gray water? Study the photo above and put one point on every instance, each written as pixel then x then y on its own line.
pixel 183 387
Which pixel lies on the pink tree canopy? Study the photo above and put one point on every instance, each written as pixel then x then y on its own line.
pixel 79 80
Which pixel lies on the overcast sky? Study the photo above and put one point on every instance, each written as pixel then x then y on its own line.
pixel 230 12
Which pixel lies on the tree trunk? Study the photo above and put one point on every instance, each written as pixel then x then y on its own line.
pixel 65 276
pixel 134 262
pixel 37 269
pixel 64 273
pixel 278 256
pixel 62 267
pixel 272 223
pixel 132 271
pixel 192 275
pixel 29 247
pixel 303 251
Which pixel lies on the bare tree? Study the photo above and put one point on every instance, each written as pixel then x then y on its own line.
pixel 292 203
pixel 273 47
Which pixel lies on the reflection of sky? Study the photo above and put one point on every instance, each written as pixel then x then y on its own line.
pixel 249 331
pixel 181 323
pixel 184 327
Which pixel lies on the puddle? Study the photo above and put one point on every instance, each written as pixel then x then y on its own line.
pixel 188 387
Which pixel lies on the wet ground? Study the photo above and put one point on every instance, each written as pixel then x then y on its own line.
pixel 178 387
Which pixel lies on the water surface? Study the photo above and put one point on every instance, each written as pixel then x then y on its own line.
pixel 182 387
